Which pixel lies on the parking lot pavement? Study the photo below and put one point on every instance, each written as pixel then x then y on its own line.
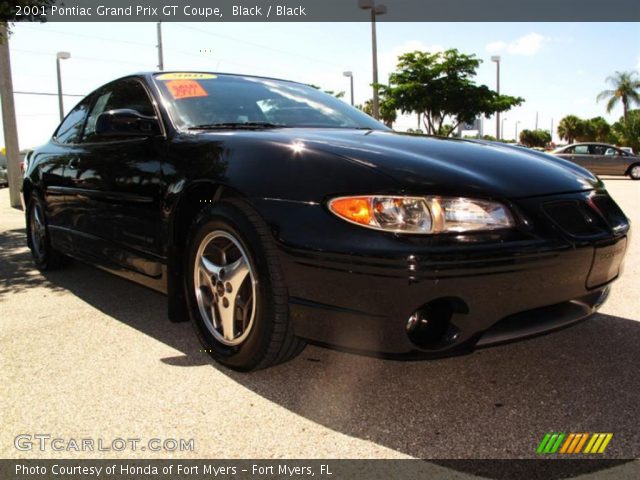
pixel 86 354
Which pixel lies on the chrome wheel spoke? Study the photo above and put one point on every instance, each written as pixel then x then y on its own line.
pixel 225 288
pixel 227 317
pixel 38 230
pixel 209 267
pixel 236 273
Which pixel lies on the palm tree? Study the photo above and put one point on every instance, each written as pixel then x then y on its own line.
pixel 625 89
pixel 569 128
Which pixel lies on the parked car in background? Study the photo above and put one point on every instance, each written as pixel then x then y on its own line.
pixel 273 214
pixel 4 177
pixel 627 149
pixel 602 159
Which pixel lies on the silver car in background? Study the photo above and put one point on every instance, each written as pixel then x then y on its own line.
pixel 602 159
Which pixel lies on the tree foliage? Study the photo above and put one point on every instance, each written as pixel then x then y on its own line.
pixel 626 90
pixel 328 92
pixel 535 138
pixel 9 10
pixel 626 133
pixel 569 128
pixel 572 128
pixel 387 109
pixel 440 86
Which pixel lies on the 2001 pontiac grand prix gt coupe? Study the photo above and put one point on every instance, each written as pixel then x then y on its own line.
pixel 273 214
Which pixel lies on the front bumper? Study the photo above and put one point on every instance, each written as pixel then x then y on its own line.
pixel 358 290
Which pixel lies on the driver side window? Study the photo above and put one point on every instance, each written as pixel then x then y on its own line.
pixel 581 150
pixel 71 127
pixel 125 94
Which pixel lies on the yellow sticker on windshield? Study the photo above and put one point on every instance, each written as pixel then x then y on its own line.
pixel 185 76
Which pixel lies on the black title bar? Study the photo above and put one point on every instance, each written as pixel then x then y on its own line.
pixel 323 10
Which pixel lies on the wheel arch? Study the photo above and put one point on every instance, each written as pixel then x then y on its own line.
pixel 193 198
pixel 634 164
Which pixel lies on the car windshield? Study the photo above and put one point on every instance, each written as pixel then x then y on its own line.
pixel 199 100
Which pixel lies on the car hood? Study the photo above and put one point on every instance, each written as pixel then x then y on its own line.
pixel 438 165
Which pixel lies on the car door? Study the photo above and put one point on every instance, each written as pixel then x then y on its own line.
pixel 600 160
pixel 118 186
pixel 52 161
pixel 578 154
pixel 615 161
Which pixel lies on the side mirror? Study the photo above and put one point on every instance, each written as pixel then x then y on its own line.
pixel 126 123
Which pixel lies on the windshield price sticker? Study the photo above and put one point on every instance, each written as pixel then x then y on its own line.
pixel 181 89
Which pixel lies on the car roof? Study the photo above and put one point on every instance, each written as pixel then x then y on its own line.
pixel 590 143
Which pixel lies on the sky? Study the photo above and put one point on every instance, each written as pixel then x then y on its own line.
pixel 559 68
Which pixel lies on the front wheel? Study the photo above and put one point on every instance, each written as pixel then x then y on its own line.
pixel 634 171
pixel 44 255
pixel 237 298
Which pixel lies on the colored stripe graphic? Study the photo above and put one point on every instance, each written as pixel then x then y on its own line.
pixel 573 443
pixel 557 444
pixel 543 443
pixel 605 442
pixel 581 443
pixel 550 443
pixel 593 439
pixel 567 443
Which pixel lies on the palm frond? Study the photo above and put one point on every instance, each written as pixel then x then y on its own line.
pixel 605 94
pixel 613 101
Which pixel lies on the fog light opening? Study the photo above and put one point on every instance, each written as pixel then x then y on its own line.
pixel 430 325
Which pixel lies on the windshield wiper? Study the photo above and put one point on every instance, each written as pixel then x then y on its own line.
pixel 232 125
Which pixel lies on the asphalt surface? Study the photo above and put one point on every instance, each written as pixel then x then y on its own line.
pixel 86 354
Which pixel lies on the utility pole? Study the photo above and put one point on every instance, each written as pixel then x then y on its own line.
pixel 350 75
pixel 536 120
pixel 160 54
pixel 375 10
pixel 496 58
pixel 9 119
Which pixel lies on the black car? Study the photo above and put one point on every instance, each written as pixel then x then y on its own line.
pixel 273 214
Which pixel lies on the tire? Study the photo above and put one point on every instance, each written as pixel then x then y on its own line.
pixel 634 171
pixel 238 303
pixel 44 255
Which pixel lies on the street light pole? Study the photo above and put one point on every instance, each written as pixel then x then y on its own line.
pixel 61 56
pixel 502 124
pixel 517 123
pixel 350 75
pixel 496 58
pixel 160 52
pixel 375 10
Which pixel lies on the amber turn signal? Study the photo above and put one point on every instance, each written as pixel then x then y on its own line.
pixel 354 209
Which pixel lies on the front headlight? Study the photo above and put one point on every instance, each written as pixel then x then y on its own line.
pixel 422 215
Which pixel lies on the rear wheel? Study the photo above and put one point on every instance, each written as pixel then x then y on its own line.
pixel 44 255
pixel 634 171
pixel 237 298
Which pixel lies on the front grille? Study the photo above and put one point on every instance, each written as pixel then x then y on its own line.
pixel 611 212
pixel 589 217
pixel 576 218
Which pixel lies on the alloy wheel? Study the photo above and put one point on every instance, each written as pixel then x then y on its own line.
pixel 38 230
pixel 225 287
pixel 635 172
